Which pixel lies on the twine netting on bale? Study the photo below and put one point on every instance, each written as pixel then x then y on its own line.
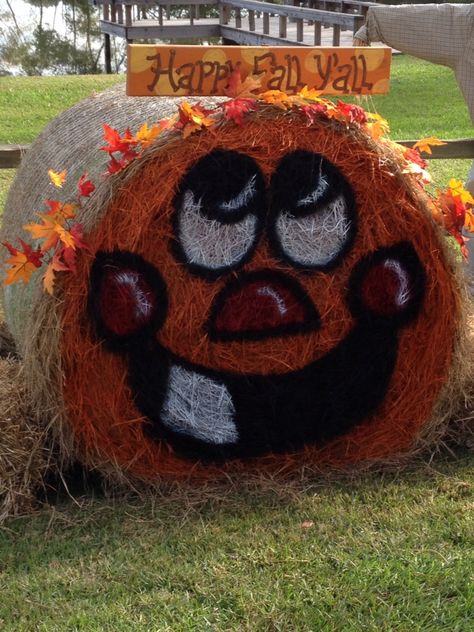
pixel 257 297
pixel 23 454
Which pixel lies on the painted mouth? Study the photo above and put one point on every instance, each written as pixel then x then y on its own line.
pixel 214 416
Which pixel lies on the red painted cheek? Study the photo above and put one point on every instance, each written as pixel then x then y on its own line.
pixel 387 288
pixel 127 302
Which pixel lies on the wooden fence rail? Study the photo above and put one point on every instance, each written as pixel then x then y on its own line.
pixel 10 155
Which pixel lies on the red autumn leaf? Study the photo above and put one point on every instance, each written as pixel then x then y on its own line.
pixel 352 113
pixel 23 263
pixel 115 142
pixel 85 186
pixel 236 109
pixel 115 165
pixel 313 110
pixel 414 156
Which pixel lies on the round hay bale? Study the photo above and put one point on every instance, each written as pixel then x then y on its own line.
pixel 23 457
pixel 265 296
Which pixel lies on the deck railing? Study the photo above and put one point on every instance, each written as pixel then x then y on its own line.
pixel 240 21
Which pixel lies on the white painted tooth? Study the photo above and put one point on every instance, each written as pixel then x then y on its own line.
pixel 200 407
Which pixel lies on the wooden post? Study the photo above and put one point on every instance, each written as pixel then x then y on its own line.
pixel 107 54
pixel 266 23
pixel 317 33
pixel 128 15
pixel 251 20
pixel 238 18
pixel 282 26
pixel 299 30
pixel 336 35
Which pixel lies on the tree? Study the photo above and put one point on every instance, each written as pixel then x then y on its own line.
pixel 76 49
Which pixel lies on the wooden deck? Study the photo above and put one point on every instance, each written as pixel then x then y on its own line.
pixel 250 22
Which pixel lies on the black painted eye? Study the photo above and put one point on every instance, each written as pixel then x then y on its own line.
pixel 218 212
pixel 312 214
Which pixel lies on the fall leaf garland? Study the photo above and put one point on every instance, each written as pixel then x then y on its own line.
pixel 60 237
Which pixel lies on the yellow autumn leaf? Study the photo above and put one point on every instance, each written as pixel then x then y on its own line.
pixel 57 178
pixel 457 190
pixel 424 144
pixel 309 94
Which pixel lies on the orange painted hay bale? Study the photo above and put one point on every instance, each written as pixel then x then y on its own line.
pixel 157 355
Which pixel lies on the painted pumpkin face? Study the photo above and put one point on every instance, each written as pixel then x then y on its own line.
pixel 258 292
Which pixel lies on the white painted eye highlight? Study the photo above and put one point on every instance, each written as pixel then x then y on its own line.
pixel 211 243
pixel 316 239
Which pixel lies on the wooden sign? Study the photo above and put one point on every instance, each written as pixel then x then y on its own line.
pixel 205 70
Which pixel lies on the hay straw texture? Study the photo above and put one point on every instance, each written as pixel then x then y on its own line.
pixel 75 380
pixel 23 455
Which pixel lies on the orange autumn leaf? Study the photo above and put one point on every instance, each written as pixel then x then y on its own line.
pixel 55 265
pixel 59 210
pixel 469 221
pixel 57 178
pixel 65 236
pixel 47 231
pixel 48 279
pixel 236 88
pixel 23 263
pixel 377 126
pixel 193 118
pixel 424 145
pixel 147 135
pixel 277 98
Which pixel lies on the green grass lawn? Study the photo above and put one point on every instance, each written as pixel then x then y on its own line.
pixel 378 552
